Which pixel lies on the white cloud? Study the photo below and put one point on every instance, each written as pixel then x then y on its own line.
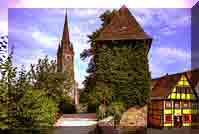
pixel 79 32
pixel 92 21
pixel 85 12
pixel 105 3
pixel 75 30
pixel 156 70
pixel 28 57
pixel 170 60
pixel 170 18
pixel 167 31
pixel 46 40
pixel 4 27
pixel 173 53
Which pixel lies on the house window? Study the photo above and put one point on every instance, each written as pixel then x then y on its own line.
pixel 195 105
pixel 168 118
pixel 195 118
pixel 188 90
pixel 183 89
pixel 168 104
pixel 104 46
pixel 186 118
pixel 177 104
pixel 185 104
pixel 179 89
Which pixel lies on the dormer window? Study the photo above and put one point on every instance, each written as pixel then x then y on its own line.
pixel 123 28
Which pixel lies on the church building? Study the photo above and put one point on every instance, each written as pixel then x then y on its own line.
pixel 65 60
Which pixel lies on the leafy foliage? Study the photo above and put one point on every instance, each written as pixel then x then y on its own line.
pixel 123 67
pixel 7 71
pixel 90 92
pixel 44 76
pixel 66 107
pixel 3 82
pixel 3 47
pixel 36 110
pixel 30 99
pixel 116 109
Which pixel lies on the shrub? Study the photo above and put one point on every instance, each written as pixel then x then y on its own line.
pixel 66 107
pixel 116 109
pixel 92 108
pixel 37 110
pixel 101 111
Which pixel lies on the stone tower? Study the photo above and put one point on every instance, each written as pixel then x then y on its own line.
pixel 65 59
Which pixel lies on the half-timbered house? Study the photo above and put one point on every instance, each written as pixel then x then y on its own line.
pixel 174 100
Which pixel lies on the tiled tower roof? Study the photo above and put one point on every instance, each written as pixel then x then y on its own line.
pixel 123 26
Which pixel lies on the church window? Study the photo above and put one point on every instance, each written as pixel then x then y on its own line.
pixel 67 57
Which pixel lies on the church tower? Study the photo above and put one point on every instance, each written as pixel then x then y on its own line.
pixel 65 53
pixel 65 58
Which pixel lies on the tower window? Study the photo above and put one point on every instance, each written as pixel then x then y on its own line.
pixel 67 57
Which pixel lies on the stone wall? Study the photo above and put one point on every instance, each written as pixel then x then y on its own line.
pixel 134 117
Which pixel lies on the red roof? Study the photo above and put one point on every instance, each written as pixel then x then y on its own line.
pixel 161 87
pixel 123 26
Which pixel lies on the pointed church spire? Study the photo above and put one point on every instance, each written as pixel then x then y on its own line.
pixel 65 36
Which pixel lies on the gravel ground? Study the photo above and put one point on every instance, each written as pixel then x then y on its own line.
pixel 105 130
pixel 173 131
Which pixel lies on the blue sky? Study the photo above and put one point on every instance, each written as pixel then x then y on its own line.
pixel 36 33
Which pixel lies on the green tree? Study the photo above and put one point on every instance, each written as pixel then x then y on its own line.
pixel 44 76
pixel 123 66
pixel 36 110
pixel 7 71
pixel 91 93
pixel 21 105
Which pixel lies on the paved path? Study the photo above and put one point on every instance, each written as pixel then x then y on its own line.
pixel 173 131
pixel 76 120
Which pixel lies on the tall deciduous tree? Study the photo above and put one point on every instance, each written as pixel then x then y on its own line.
pixel 22 104
pixel 44 76
pixel 3 83
pixel 91 91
